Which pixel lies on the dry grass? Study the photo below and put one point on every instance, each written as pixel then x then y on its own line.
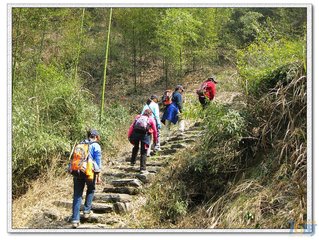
pixel 28 210
pixel 280 196
pixel 250 205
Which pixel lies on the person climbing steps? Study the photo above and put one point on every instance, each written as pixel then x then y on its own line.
pixel 140 134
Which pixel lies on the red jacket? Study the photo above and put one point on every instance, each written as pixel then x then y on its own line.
pixel 209 88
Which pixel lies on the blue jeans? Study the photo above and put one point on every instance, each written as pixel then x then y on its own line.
pixel 79 181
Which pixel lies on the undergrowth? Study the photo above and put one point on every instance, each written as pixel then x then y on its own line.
pixel 249 168
pixel 47 125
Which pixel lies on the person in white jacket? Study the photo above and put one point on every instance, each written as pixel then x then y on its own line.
pixel 152 104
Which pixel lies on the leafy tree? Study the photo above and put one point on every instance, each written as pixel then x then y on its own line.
pixel 176 29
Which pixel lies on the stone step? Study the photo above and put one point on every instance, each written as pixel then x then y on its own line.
pixel 184 141
pixel 112 197
pixel 178 146
pixel 88 226
pixel 127 183
pixel 114 175
pixel 122 207
pixel 128 168
pixel 102 208
pixel 177 138
pixel 146 177
pixel 168 151
pixel 160 158
pixel 93 218
pixel 156 163
pixel 96 207
pixel 126 190
pixel 153 169
pixel 92 226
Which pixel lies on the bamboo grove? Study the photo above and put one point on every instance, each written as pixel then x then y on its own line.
pixel 65 60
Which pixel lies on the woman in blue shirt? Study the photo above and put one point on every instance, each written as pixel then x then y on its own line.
pixel 173 111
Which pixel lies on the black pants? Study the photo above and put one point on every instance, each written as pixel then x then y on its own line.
pixel 143 154
pixel 204 101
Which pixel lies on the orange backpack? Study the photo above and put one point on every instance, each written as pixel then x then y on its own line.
pixel 80 160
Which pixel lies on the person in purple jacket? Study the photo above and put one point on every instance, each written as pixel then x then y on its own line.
pixel 80 180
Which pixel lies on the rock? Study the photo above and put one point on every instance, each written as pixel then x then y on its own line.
pixel 189 140
pixel 51 214
pixel 92 226
pixel 126 190
pixel 96 207
pixel 128 168
pixel 177 138
pixel 197 124
pixel 153 169
pixel 145 177
pixel 178 146
pixel 112 197
pixel 127 183
pixel 121 208
pixel 93 218
pixel 65 204
pixel 156 164
pixel 118 175
pixel 101 208
pixel 168 151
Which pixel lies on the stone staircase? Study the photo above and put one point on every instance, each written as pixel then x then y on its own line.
pixel 123 185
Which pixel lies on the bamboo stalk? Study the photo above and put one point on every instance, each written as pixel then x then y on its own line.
pixel 105 65
pixel 79 46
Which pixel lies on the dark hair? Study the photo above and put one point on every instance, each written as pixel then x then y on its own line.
pixel 148 112
pixel 148 102
pixel 92 133
pixel 179 87
pixel 154 97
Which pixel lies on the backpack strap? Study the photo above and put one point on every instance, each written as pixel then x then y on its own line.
pixel 153 114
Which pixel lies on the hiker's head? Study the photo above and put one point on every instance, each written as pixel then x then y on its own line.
pixel 94 135
pixel 148 102
pixel 179 88
pixel 148 112
pixel 154 98
pixel 212 78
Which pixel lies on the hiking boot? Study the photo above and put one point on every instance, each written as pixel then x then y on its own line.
pixel 75 224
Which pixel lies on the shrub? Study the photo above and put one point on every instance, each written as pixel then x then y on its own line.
pixel 261 58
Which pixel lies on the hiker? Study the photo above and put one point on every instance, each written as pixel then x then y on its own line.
pixel 80 179
pixel 173 112
pixel 166 99
pixel 207 91
pixel 152 104
pixel 140 134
